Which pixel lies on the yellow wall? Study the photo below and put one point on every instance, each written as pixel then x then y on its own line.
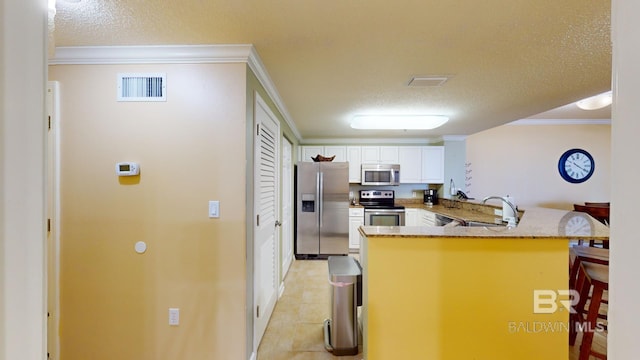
pixel 462 298
pixel 191 149
pixel 522 161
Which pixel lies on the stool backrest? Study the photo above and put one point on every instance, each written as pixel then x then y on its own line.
pixel 600 213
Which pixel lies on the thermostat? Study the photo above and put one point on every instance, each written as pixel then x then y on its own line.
pixel 127 169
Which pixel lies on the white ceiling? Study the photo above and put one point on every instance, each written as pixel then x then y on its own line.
pixel 333 59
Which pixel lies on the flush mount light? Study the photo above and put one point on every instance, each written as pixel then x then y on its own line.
pixel 596 102
pixel 398 122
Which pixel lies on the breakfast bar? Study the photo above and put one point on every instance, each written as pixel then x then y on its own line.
pixel 471 292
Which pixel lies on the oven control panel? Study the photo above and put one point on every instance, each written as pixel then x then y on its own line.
pixel 376 194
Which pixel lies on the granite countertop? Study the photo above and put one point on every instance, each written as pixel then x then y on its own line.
pixel 534 223
pixel 457 213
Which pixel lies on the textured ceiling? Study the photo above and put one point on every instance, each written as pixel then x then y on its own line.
pixel 333 59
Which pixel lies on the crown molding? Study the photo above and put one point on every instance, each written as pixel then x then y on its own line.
pixel 369 141
pixel 454 137
pixel 561 122
pixel 176 54
pixel 258 68
pixel 151 54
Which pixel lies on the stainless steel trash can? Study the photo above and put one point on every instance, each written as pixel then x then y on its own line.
pixel 345 281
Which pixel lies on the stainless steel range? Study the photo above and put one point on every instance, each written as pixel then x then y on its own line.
pixel 380 208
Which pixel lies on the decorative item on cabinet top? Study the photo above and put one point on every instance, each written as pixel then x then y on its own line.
pixel 319 158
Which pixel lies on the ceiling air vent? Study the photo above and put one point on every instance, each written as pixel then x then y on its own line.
pixel 428 80
pixel 142 87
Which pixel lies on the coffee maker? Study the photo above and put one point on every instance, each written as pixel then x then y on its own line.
pixel 430 197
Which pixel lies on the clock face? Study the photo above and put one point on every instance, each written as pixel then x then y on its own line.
pixel 576 165
pixel 576 224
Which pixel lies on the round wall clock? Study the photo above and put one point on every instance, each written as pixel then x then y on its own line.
pixel 576 165
pixel 575 224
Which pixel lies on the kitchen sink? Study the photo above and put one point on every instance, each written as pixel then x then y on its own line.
pixel 482 224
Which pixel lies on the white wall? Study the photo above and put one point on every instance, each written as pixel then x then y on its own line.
pixel 454 166
pixel 22 140
pixel 522 161
pixel 624 313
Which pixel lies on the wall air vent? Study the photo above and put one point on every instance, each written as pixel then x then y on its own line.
pixel 142 87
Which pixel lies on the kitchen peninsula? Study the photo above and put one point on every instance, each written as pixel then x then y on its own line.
pixel 468 292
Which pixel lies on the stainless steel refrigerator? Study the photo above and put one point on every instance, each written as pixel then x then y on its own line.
pixel 322 209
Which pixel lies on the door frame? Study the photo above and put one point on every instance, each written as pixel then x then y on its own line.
pixel 259 102
pixel 52 246
pixel 287 260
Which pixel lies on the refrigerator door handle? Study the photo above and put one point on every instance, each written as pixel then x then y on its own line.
pixel 321 195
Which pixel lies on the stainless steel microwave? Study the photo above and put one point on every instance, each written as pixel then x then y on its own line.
pixel 380 174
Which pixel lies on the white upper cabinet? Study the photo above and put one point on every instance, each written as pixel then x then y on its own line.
pixel 410 164
pixel 432 165
pixel 354 157
pixel 309 152
pixel 339 151
pixel 389 155
pixel 379 154
pixel 370 154
pixel 418 164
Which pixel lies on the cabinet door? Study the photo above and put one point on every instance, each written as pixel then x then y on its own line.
pixel 370 154
pixel 411 217
pixel 427 218
pixel 432 165
pixel 309 152
pixel 410 164
pixel 389 155
pixel 354 235
pixel 339 151
pixel 354 158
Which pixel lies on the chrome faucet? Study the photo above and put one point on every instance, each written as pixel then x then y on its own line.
pixel 514 208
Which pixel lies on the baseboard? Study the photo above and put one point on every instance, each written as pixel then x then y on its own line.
pixel 281 290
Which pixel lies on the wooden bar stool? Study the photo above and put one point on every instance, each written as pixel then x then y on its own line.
pixel 598 211
pixel 577 255
pixel 594 280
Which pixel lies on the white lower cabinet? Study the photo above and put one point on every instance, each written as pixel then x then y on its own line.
pixel 427 218
pixel 411 217
pixel 419 217
pixel 356 219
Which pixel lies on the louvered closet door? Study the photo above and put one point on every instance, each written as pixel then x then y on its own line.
pixel 267 185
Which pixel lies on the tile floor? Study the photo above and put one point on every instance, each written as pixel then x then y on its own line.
pixel 295 331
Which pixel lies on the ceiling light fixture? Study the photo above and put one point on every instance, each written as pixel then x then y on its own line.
pixel 398 122
pixel 596 102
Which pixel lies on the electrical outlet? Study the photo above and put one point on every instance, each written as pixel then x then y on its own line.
pixel 174 316
pixel 497 212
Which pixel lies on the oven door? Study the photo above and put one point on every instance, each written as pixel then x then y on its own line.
pixel 384 217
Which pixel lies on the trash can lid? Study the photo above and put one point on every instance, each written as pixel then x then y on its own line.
pixel 344 266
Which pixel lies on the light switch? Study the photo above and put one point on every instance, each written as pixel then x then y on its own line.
pixel 214 209
pixel 174 316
